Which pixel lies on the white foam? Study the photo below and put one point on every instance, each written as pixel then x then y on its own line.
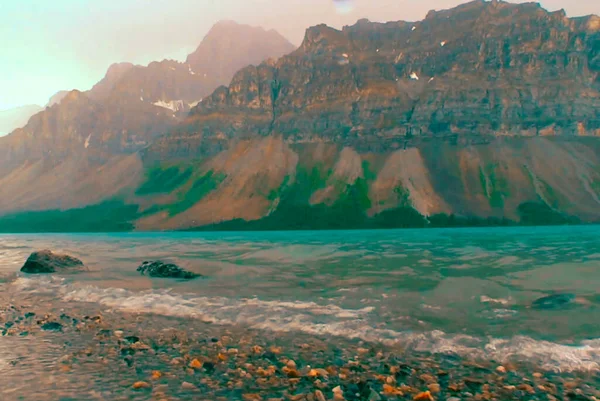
pixel 414 76
pixel 317 319
pixel 501 301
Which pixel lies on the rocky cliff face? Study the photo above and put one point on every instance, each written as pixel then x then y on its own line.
pixel 482 69
pixel 487 111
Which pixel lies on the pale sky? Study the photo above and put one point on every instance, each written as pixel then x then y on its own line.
pixel 52 45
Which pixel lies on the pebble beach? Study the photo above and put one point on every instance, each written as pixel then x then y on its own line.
pixel 92 355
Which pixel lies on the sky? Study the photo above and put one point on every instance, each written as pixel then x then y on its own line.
pixel 52 45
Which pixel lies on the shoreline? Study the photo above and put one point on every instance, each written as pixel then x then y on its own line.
pixel 130 356
pixel 324 230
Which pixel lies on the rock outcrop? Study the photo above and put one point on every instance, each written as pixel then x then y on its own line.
pixel 482 69
pixel 165 270
pixel 49 262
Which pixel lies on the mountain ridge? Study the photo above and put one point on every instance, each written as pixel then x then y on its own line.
pixel 489 111
pixel 123 112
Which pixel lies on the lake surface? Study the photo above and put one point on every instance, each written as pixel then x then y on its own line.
pixel 465 291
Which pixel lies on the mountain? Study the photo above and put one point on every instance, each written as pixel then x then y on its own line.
pixel 17 117
pixel 488 113
pixel 57 98
pixel 229 47
pixel 123 112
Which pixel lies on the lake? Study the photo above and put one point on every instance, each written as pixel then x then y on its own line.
pixel 465 292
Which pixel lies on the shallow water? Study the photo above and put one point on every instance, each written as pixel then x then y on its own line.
pixel 467 291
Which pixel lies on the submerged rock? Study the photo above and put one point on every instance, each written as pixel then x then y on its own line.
pixel 52 326
pixel 49 262
pixel 554 301
pixel 165 270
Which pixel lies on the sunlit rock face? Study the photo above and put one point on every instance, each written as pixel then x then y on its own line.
pixel 481 70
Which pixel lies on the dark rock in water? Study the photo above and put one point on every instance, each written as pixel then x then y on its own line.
pixel 554 301
pixel 52 326
pixel 132 339
pixel 127 351
pixel 209 367
pixel 165 270
pixel 50 262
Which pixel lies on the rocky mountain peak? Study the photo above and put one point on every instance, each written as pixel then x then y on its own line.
pixel 593 23
pixel 323 38
pixel 74 96
pixel 481 69
pixel 57 98
pixel 229 47
pixel 115 72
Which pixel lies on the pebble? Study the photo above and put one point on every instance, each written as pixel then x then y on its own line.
pixel 424 396
pixel 188 386
pixel 391 390
pixel 373 396
pixel 501 369
pixel 140 385
pixel 526 387
pixel 319 395
pixel 434 388
pixel 338 394
pixel 195 364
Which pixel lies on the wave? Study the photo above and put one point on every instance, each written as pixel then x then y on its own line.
pixel 323 320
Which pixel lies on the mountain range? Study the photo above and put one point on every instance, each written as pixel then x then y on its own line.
pixel 488 113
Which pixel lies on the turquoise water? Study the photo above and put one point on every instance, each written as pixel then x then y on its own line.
pixel 460 290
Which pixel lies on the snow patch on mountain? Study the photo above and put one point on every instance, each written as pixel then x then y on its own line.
pixel 173 105
pixel 194 104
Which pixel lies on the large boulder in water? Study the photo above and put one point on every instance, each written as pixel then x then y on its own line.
pixel 555 301
pixel 49 262
pixel 165 270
